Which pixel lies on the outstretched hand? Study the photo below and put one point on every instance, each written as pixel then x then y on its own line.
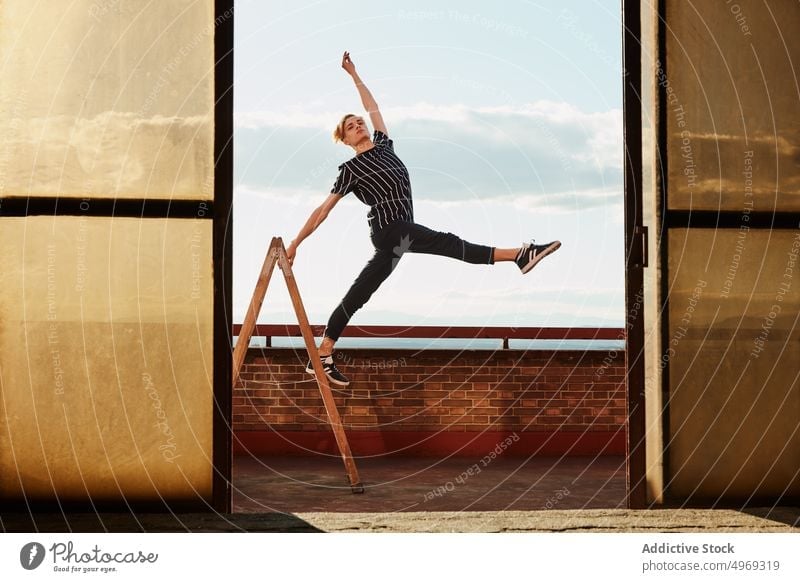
pixel 347 64
pixel 291 251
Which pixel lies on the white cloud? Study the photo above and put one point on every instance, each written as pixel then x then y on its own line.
pixel 549 203
pixel 557 112
pixel 546 154
pixel 293 196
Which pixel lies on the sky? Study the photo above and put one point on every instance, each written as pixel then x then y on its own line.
pixel 509 119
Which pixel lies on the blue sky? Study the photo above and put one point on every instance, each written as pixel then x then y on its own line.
pixel 510 122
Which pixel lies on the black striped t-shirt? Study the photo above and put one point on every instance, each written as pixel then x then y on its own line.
pixel 380 180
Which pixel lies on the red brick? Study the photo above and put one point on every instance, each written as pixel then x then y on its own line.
pixel 490 378
pixel 405 385
pixel 451 419
pixel 457 393
pixel 441 378
pixel 436 409
pixel 432 394
pixel 551 420
pixel 302 402
pixel 457 402
pixel 283 409
pixel 503 402
pixel 484 410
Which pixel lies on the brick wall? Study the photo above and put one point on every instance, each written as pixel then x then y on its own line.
pixel 435 402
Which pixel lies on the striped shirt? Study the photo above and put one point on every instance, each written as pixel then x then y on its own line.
pixel 380 180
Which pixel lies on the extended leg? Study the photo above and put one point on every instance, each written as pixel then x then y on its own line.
pixel 375 272
pixel 402 237
pixel 372 275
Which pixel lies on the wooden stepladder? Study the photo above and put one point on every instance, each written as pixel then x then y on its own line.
pixel 277 254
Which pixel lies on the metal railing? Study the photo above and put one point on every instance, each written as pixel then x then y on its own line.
pixel 269 331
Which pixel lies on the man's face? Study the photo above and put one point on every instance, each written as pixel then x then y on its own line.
pixel 355 130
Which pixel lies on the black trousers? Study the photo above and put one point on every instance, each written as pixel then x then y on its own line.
pixel 390 243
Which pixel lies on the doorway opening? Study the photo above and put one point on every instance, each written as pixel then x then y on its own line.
pixel 470 390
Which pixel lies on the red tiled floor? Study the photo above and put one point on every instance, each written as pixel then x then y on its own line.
pixel 319 484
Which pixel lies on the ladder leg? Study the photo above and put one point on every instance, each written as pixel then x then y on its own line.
pixel 322 379
pixel 250 318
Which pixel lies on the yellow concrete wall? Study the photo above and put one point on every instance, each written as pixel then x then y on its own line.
pixel 106 359
pixel 733 138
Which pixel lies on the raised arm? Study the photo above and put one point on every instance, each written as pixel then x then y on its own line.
pixel 366 97
pixel 317 217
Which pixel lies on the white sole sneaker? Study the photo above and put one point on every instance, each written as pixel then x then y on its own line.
pixel 530 256
pixel 331 371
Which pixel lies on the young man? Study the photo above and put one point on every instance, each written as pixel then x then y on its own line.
pixel 380 179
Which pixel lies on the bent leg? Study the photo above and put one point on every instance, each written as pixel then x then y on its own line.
pixel 375 272
pixel 404 237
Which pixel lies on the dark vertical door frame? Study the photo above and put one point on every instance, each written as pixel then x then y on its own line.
pixel 635 252
pixel 663 255
pixel 222 252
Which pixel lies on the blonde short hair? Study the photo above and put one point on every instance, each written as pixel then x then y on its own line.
pixel 338 133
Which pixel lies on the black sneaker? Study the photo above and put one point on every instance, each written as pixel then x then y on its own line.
pixel 530 254
pixel 333 374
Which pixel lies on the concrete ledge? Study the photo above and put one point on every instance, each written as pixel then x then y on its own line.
pixel 686 520
pixel 784 520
